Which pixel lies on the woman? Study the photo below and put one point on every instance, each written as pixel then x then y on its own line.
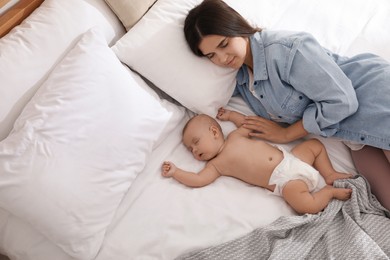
pixel 287 77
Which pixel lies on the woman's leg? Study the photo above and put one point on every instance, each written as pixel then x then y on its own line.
pixel 374 164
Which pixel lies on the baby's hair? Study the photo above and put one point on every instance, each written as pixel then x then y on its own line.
pixel 211 121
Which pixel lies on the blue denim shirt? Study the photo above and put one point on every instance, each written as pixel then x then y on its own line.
pixel 296 78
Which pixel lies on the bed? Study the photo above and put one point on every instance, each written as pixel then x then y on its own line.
pixel 94 95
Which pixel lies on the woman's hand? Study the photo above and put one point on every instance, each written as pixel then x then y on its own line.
pixel 265 129
pixel 273 132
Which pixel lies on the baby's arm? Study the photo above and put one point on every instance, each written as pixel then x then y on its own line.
pixel 235 117
pixel 191 179
pixel 232 116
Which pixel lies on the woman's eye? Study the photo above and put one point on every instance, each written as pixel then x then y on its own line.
pixel 210 56
pixel 224 43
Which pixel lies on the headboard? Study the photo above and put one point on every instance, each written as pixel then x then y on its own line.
pixel 16 14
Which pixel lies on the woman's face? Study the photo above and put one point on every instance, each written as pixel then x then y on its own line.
pixel 225 51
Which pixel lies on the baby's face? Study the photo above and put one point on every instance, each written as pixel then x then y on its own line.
pixel 201 142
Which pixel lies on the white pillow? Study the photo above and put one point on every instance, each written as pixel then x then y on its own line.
pixel 31 50
pixel 156 48
pixel 77 146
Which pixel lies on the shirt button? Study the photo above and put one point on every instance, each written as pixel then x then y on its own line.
pixel 300 97
pixel 255 83
pixel 362 138
pixel 261 96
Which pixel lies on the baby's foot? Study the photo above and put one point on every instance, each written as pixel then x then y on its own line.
pixel 336 176
pixel 341 193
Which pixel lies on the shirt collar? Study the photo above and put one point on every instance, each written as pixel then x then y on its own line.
pixel 259 64
pixel 258 54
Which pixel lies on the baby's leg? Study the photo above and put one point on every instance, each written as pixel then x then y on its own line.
pixel 314 153
pixel 297 195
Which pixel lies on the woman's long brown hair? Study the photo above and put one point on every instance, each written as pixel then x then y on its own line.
pixel 214 17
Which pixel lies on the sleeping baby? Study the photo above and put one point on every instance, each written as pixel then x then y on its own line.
pixel 293 175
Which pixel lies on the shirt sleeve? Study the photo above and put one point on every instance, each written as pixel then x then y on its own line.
pixel 313 72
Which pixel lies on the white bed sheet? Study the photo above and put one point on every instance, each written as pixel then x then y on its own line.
pixel 161 219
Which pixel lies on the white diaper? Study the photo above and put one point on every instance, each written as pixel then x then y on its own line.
pixel 292 168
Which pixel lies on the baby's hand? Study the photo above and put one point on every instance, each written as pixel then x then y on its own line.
pixel 168 169
pixel 223 114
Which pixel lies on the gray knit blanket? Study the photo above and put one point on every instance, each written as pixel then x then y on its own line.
pixel 358 228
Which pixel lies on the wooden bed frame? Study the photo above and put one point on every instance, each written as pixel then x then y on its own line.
pixel 16 14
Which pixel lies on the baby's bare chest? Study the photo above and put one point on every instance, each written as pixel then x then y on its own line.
pixel 249 160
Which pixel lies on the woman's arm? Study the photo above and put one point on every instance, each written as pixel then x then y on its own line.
pixel 310 70
pixel 313 72
pixel 190 179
